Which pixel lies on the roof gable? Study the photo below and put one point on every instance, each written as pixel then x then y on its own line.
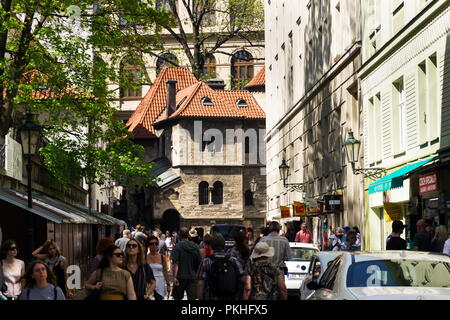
pixel 154 102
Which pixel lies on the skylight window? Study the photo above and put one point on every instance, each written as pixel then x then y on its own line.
pixel 207 102
pixel 241 103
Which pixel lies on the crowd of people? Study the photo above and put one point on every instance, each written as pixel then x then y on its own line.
pixel 144 265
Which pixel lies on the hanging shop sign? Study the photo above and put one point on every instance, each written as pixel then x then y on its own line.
pixel 428 183
pixel 393 211
pixel 314 208
pixel 299 209
pixel 285 212
pixel 333 202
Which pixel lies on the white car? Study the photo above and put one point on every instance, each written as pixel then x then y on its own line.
pixel 298 265
pixel 386 275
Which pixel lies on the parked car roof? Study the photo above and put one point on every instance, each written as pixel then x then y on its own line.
pixel 303 245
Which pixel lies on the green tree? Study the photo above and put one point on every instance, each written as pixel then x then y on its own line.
pixel 49 65
pixel 207 28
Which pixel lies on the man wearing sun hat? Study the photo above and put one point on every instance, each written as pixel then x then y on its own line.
pixel 264 280
pixel 280 244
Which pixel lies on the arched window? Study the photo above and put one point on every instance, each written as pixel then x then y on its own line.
pixel 249 198
pixel 203 193
pixel 242 69
pixel 166 60
pixel 131 79
pixel 217 194
pixel 209 68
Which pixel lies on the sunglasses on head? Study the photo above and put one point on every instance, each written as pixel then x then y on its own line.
pixel 118 254
pixel 132 245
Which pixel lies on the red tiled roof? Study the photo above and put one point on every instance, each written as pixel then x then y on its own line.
pixel 259 80
pixel 154 102
pixel 189 104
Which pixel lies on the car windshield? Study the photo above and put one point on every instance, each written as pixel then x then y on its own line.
pixel 399 273
pixel 302 254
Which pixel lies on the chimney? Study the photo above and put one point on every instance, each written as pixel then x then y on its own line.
pixel 216 84
pixel 171 97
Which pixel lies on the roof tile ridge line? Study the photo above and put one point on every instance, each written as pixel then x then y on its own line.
pixel 155 87
pixel 184 106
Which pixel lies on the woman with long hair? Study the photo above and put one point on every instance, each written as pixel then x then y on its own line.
pixel 113 282
pixel 440 236
pixel 206 249
pixel 13 269
pixel 143 279
pixel 39 283
pixel 159 267
pixel 102 244
pixel 50 253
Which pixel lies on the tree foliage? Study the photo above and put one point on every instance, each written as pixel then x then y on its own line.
pixel 49 65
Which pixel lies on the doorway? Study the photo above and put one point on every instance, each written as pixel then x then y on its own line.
pixel 170 221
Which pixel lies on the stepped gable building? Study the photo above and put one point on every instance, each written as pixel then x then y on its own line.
pixel 208 146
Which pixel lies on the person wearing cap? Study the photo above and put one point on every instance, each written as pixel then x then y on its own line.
pixel 280 244
pixel 395 242
pixel 193 236
pixel 264 280
pixel 422 239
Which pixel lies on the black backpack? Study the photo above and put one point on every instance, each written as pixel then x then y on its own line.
pixel 223 278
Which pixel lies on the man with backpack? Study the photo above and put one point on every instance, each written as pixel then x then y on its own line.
pixel 220 274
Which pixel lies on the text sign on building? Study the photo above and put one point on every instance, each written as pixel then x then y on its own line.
pixel 333 202
pixel 428 183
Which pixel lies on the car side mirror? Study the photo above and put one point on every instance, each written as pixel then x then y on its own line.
pixel 313 285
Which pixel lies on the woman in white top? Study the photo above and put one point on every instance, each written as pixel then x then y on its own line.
pixel 13 269
pixel 159 267
pixel 169 245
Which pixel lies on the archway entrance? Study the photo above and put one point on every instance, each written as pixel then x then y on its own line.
pixel 170 221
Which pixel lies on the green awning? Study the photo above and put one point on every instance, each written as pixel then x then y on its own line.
pixel 395 179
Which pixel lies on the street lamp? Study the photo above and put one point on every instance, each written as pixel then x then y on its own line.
pixel 30 134
pixel 352 147
pixel 284 173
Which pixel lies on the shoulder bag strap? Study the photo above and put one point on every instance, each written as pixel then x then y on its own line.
pixel 55 293
pixel 28 294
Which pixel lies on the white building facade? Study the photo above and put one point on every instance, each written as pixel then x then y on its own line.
pixel 312 58
pixel 405 102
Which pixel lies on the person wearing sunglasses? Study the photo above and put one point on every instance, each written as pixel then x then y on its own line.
pixel 113 282
pixel 143 279
pixel 159 266
pixel 13 269
pixel 40 283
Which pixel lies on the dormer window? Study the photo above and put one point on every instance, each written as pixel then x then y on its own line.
pixel 241 103
pixel 207 102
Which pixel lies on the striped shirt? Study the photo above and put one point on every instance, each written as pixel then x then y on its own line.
pixel 282 249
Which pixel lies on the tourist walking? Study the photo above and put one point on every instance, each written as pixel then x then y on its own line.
pixel 440 236
pixel 304 235
pixel 122 242
pixel 186 259
pixel 158 264
pixel 350 244
pixel 102 244
pixel 40 283
pixel 205 247
pixel 290 232
pixel 422 238
pixel 13 270
pixel 395 242
pixel 264 280
pixel 169 244
pixel 135 263
pixel 50 253
pixel 220 276
pixel 113 282
pixel 281 246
